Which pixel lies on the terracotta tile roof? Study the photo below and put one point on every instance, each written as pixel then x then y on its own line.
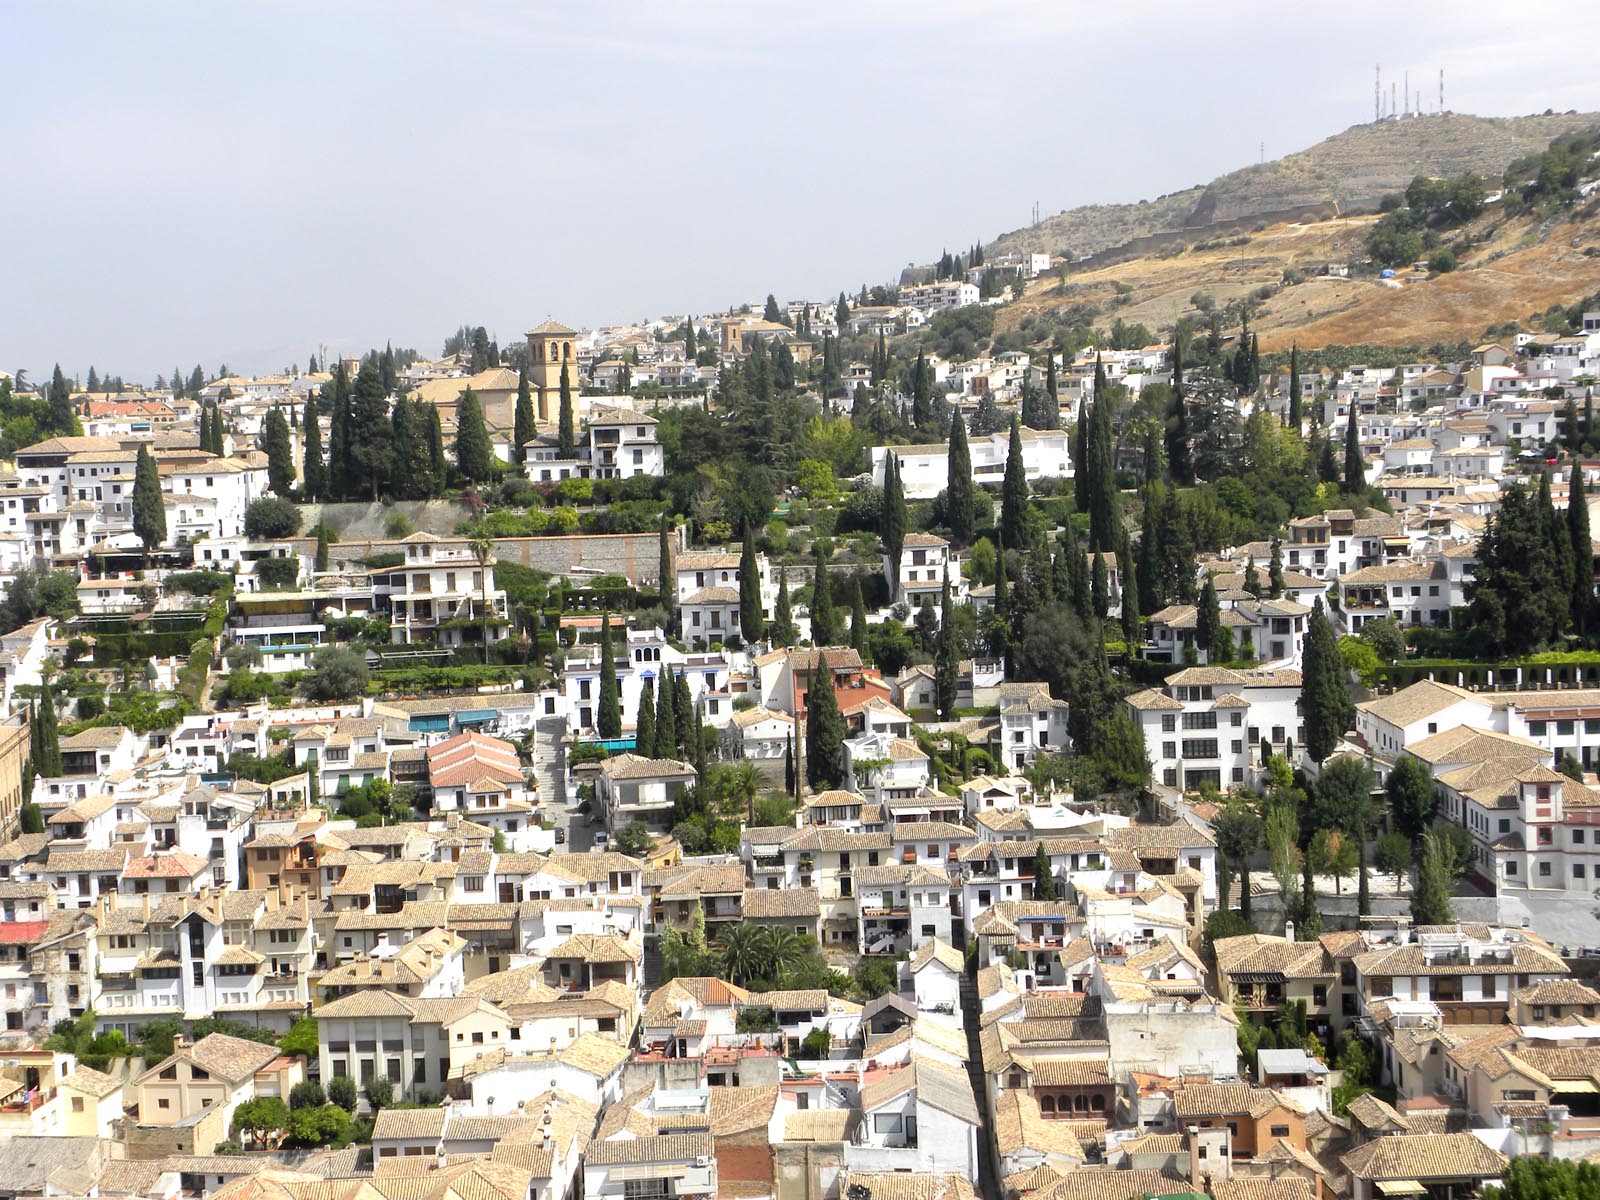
pixel 1423 1157
pixel 658 1149
pixel 769 903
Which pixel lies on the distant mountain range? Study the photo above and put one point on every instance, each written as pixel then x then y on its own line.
pixel 1352 170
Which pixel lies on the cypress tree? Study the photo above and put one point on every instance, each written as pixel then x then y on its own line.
pixel 1014 490
pixel 1582 552
pixel 1104 523
pixel 313 481
pixel 750 619
pixel 1129 597
pixel 1294 388
pixel 894 519
pixel 689 351
pixel 1355 471
pixel 960 508
pixel 473 454
pixel 1328 712
pixel 1177 430
pixel 149 510
pixel 205 427
pixel 858 619
pixel 664 582
pixel 280 453
pixel 1051 387
pixel 790 783
pixel 644 728
pixel 824 619
pixel 440 472
pixel 336 480
pixel 609 717
pixel 1208 620
pixel 782 631
pixel 921 393
pixel 1275 570
pixel 683 703
pixel 947 658
pixel 49 761
pixel 1100 587
pixel 1080 459
pixel 666 743
pixel 824 729
pixel 370 441
pixel 523 428
pixel 322 547
pixel 566 426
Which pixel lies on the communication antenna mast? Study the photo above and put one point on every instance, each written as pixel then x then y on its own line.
pixel 1405 91
pixel 1377 92
pixel 1393 107
pixel 1441 90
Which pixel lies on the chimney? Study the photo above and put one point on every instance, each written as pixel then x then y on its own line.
pixel 1196 1181
pixel 179 1042
pixel 1288 930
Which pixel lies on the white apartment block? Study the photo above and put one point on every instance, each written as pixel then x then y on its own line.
pixel 443 591
pixel 1206 724
pixel 925 469
pixel 926 561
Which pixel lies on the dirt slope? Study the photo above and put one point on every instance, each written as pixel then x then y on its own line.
pixel 1353 169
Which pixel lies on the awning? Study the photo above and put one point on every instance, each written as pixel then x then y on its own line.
pixel 1584 1086
pixel 476 716
pixel 1401 1187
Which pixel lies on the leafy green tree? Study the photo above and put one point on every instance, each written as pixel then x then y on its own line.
pixel 1413 799
pixel 1328 710
pixel 1529 1177
pixel 1238 831
pixel 315 477
pixel 149 510
pixel 337 673
pixel 1333 853
pixel 824 730
pixel 342 1092
pixel 380 1092
pixel 608 718
pixel 1438 868
pixel 1014 491
pixel 307 1093
pixel 474 456
pixel 633 839
pixel 301 1038
pixel 1392 855
pixel 259 1118
pixel 960 507
pixel 280 453
pixel 32 816
pixel 271 518
pixel 824 617
pixel 750 614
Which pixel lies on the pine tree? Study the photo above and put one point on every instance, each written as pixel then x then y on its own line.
pixel 666 745
pixel 314 480
pixel 824 618
pixel 960 509
pixel 474 456
pixel 858 619
pixel 48 763
pixel 824 729
pixel 280 453
pixel 783 631
pixel 894 519
pixel 566 426
pixel 1014 490
pixel 1582 552
pixel 1294 388
pixel 608 719
pixel 947 659
pixel 1355 470
pixel 1326 705
pixel 149 510
pixel 644 726
pixel 439 471
pixel 522 430
pixel 750 618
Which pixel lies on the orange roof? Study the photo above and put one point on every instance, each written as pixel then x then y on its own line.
pixel 468 758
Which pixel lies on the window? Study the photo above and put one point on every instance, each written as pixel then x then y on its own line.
pixel 886 1123
pixel 163 1102
pixel 1169 722
pixel 77 1104
pixel 1279 1131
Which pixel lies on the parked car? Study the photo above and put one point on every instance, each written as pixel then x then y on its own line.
pixel 561 834
pixel 602 840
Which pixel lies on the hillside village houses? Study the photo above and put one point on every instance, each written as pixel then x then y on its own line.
pixel 510 980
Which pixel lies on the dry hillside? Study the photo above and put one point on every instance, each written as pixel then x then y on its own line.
pixel 1353 169
pixel 1524 268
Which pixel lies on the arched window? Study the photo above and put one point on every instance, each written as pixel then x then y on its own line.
pixel 1047 1104
pixel 1080 1103
pixel 1098 1102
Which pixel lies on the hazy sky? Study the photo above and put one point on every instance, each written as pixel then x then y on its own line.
pixel 244 181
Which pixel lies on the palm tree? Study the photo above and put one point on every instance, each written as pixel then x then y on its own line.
pixel 483 550
pixel 744 784
pixel 784 949
pixel 742 953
